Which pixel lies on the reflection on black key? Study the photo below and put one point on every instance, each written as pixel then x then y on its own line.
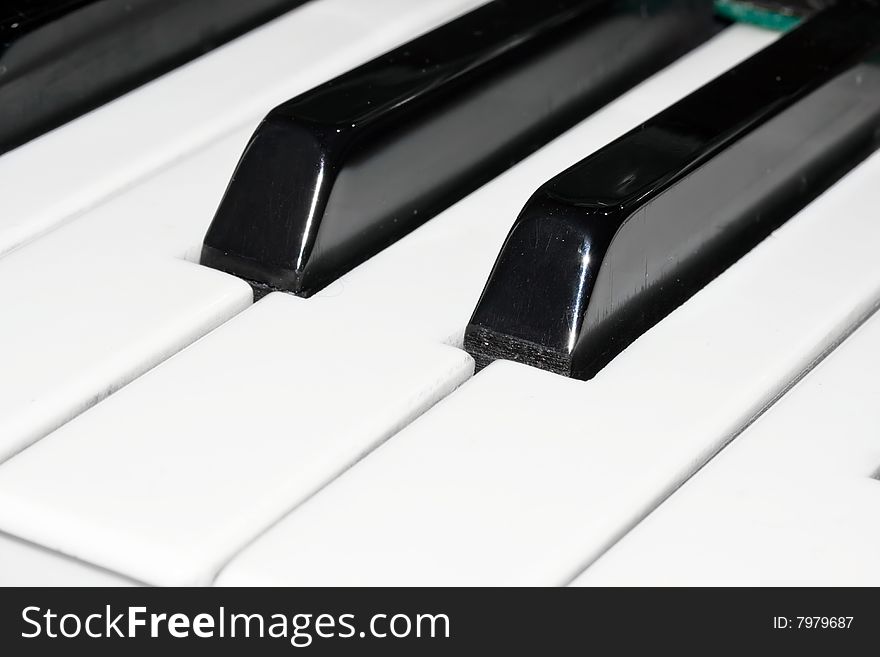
pixel 338 173
pixel 606 249
pixel 62 58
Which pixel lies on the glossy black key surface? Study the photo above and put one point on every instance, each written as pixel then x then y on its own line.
pixel 60 59
pixel 342 171
pixel 609 247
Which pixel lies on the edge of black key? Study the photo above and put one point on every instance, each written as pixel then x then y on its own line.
pixel 552 301
pixel 333 176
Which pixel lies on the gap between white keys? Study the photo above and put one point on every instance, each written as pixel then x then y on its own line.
pixel 97 302
pixel 790 502
pixel 168 478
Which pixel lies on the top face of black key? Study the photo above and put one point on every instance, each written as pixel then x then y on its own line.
pixel 24 16
pixel 335 175
pixel 609 247
pixel 61 59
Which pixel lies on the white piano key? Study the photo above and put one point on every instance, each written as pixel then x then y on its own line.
pixel 448 260
pixel 78 328
pixel 24 564
pixel 73 168
pixel 790 502
pixel 99 301
pixel 525 477
pixel 168 478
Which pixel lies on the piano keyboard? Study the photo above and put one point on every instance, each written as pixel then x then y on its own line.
pixel 154 35
pixel 159 426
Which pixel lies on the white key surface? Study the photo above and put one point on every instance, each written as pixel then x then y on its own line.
pixel 77 329
pixel 73 168
pixel 24 564
pixel 168 478
pixel 525 477
pixel 791 502
pixel 99 301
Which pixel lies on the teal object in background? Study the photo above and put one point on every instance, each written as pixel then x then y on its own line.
pixel 743 11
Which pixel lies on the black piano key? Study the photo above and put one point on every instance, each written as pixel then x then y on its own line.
pixel 606 249
pixel 61 59
pixel 342 171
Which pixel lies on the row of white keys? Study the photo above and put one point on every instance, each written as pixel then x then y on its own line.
pixel 108 443
pixel 73 168
pixel 77 329
pixel 104 298
pixel 791 502
pixel 99 301
pixel 177 471
pixel 524 477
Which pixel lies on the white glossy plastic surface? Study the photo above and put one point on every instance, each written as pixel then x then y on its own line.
pixel 168 478
pixel 793 501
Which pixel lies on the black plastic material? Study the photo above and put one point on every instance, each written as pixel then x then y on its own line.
pixel 61 58
pixel 609 247
pixel 342 171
